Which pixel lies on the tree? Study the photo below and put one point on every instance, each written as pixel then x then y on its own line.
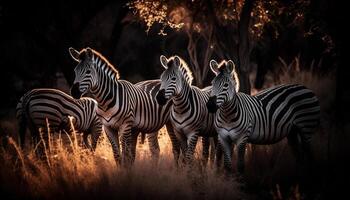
pixel 217 29
pixel 221 29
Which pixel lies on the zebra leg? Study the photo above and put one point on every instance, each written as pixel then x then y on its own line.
pixel 143 137
pixel 240 155
pixel 218 153
pixel 34 134
pixel 94 139
pixel 307 160
pixel 36 142
pixel 306 146
pixel 226 145
pixel 134 136
pixel 86 140
pixel 114 140
pixel 302 150
pixel 35 139
pixel 213 146
pixel 205 150
pixel 293 142
pixel 174 141
pixel 191 146
pixel 152 139
pixel 42 143
pixel 96 131
pixel 126 134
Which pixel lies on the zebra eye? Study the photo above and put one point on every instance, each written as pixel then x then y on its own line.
pixel 225 84
pixel 173 79
pixel 88 71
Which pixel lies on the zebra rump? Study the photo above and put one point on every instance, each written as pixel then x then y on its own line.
pixel 39 105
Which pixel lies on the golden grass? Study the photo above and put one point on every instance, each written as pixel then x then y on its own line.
pixel 71 171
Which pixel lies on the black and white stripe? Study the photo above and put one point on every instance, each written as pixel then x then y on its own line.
pixel 124 108
pixel 189 115
pixel 39 105
pixel 290 111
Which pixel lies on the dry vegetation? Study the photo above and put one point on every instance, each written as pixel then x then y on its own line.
pixel 71 171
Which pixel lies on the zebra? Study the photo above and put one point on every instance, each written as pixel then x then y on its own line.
pixel 123 107
pixel 289 110
pixel 189 115
pixel 55 106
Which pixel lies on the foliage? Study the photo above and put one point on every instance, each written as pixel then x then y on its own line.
pixel 230 29
pixel 153 11
pixel 196 14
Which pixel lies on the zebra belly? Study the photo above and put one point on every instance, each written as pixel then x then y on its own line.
pixel 268 137
pixel 146 125
pixel 148 129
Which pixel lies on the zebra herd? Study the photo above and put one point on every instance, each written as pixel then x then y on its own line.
pixel 188 112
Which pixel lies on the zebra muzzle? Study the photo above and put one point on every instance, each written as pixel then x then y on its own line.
pixel 160 97
pixel 75 91
pixel 211 104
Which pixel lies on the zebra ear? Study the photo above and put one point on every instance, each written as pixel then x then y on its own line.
pixel 74 54
pixel 177 60
pixel 164 61
pixel 214 67
pixel 231 67
pixel 89 52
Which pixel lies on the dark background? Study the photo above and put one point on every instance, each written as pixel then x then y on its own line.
pixel 35 37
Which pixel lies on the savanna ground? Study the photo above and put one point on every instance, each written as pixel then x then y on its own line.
pixel 71 171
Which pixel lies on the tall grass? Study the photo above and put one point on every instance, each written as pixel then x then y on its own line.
pixel 68 170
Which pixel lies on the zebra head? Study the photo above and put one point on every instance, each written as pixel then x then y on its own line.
pixel 170 79
pixel 225 84
pixel 84 72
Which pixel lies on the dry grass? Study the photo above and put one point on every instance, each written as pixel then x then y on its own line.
pixel 71 171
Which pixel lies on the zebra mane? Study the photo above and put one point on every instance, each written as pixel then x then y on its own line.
pixel 101 61
pixel 221 67
pixel 185 70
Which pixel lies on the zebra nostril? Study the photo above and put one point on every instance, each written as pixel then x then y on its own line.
pixel 75 91
pixel 160 97
pixel 211 104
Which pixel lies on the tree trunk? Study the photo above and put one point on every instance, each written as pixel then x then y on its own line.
pixel 117 30
pixel 244 47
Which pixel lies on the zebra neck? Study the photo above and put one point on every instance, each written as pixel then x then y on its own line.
pixel 180 100
pixel 105 91
pixel 230 109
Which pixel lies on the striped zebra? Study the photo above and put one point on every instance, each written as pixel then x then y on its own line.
pixel 290 111
pixel 39 105
pixel 189 115
pixel 123 107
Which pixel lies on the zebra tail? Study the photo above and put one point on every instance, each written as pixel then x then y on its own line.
pixel 22 119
